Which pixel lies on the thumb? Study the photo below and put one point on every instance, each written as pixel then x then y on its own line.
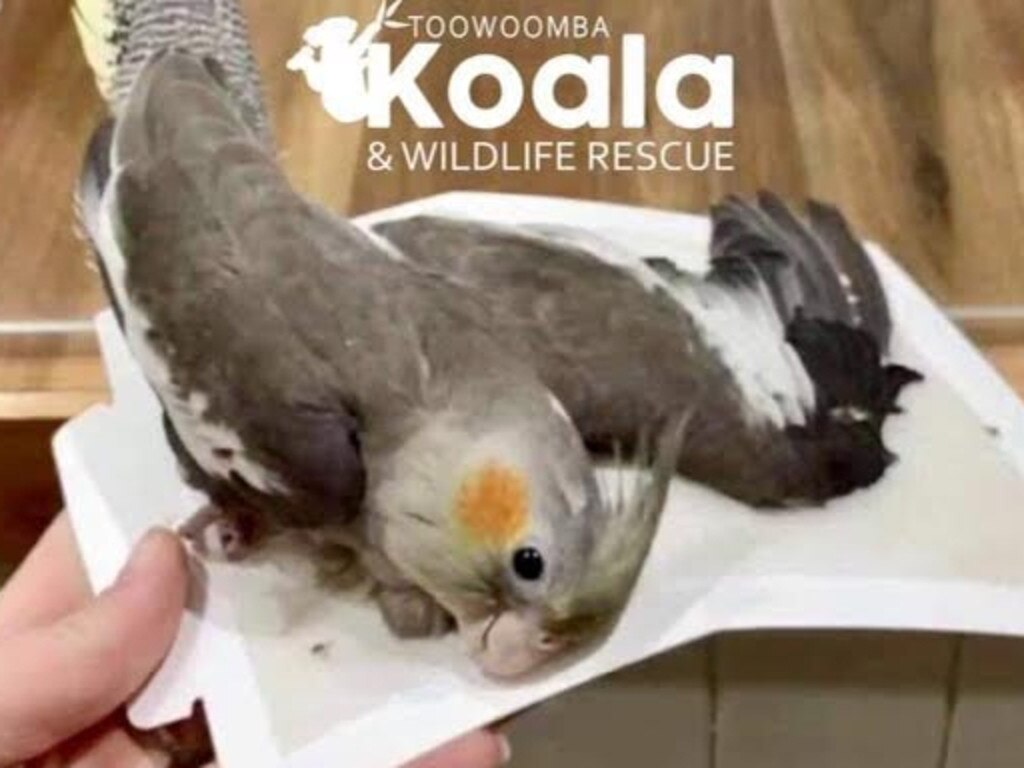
pixel 60 679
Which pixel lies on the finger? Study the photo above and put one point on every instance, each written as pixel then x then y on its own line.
pixel 113 748
pixel 50 583
pixel 60 679
pixel 479 749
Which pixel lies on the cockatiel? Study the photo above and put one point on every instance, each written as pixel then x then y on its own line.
pixel 317 382
pixel 780 348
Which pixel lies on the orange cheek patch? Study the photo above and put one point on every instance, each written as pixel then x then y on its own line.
pixel 493 505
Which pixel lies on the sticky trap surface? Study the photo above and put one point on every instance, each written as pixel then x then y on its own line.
pixel 293 676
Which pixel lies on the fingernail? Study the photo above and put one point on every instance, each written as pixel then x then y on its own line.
pixel 140 556
pixel 504 748
pixel 154 758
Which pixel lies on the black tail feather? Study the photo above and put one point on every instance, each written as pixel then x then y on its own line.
pixel 817 267
pixel 896 378
pixel 830 300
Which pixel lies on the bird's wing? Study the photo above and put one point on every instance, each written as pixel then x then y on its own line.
pixel 789 404
pixel 229 302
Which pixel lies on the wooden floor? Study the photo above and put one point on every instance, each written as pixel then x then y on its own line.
pixel 29 494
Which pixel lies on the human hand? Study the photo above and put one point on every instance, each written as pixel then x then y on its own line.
pixel 69 660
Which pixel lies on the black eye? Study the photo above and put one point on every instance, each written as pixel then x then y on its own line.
pixel 528 563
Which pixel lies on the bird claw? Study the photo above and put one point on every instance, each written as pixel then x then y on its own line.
pixel 338 567
pixel 227 533
pixel 410 612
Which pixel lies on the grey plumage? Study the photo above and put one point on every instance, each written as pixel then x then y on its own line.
pixel 414 408
pixel 619 355
pixel 309 377
pixel 330 322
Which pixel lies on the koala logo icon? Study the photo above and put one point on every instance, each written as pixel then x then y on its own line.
pixel 334 61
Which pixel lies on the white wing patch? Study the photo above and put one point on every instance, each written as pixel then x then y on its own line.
pixel 742 328
pixel 745 331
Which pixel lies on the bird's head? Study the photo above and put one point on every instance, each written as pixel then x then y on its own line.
pixel 526 550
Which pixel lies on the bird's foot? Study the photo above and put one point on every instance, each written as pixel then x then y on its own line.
pixel 338 567
pixel 410 612
pixel 225 532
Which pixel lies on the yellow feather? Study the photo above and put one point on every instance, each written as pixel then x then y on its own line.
pixel 95 24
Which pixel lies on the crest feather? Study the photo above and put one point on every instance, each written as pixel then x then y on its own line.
pixel 625 539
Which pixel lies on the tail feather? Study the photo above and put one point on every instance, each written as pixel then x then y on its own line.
pixel 120 37
pixel 814 268
pixel 812 283
pixel 866 292
pixel 825 292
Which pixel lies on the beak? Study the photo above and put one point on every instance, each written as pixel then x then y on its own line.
pixel 510 644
